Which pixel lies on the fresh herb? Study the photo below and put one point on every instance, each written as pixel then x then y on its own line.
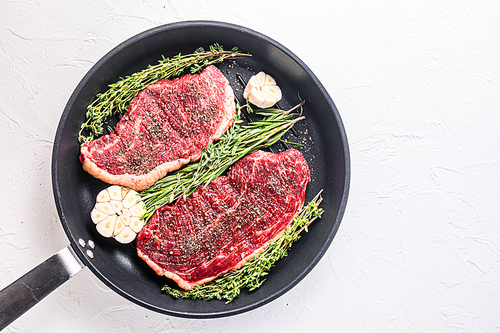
pixel 238 141
pixel 250 276
pixel 117 98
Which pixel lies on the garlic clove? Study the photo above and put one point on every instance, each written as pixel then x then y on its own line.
pixel 126 236
pixel 119 226
pixel 256 97
pixel 252 83
pixel 269 81
pixel 97 216
pixel 261 78
pixel 136 224
pixel 272 93
pixel 104 207
pixel 124 219
pixel 117 206
pixel 130 199
pixel 106 226
pixel 137 210
pixel 103 196
pixel 115 192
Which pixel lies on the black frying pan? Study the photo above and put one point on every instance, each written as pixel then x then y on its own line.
pixel 325 148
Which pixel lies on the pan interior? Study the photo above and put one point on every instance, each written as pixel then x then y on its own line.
pixel 324 147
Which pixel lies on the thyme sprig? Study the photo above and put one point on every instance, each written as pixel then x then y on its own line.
pixel 250 276
pixel 117 98
pixel 238 141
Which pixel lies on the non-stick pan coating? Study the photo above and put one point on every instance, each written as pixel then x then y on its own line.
pixel 325 148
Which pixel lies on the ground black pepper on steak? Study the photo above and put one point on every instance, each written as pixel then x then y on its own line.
pixel 223 225
pixel 165 127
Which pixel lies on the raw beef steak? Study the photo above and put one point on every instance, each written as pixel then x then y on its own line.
pixel 222 226
pixel 165 127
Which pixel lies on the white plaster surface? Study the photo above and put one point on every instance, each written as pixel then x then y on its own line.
pixel 417 84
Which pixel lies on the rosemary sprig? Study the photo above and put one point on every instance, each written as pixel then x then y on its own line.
pixel 250 276
pixel 117 98
pixel 236 142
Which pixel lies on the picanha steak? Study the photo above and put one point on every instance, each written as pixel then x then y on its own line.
pixel 165 127
pixel 222 226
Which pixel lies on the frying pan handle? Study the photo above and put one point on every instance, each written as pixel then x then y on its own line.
pixel 28 290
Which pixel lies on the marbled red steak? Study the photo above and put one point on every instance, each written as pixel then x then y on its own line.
pixel 222 226
pixel 165 127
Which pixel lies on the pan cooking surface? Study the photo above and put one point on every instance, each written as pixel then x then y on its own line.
pixel 321 134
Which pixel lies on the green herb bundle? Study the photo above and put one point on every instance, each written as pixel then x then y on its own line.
pixel 238 141
pixel 117 98
pixel 250 276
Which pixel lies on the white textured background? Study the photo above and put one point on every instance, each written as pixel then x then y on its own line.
pixel 417 85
